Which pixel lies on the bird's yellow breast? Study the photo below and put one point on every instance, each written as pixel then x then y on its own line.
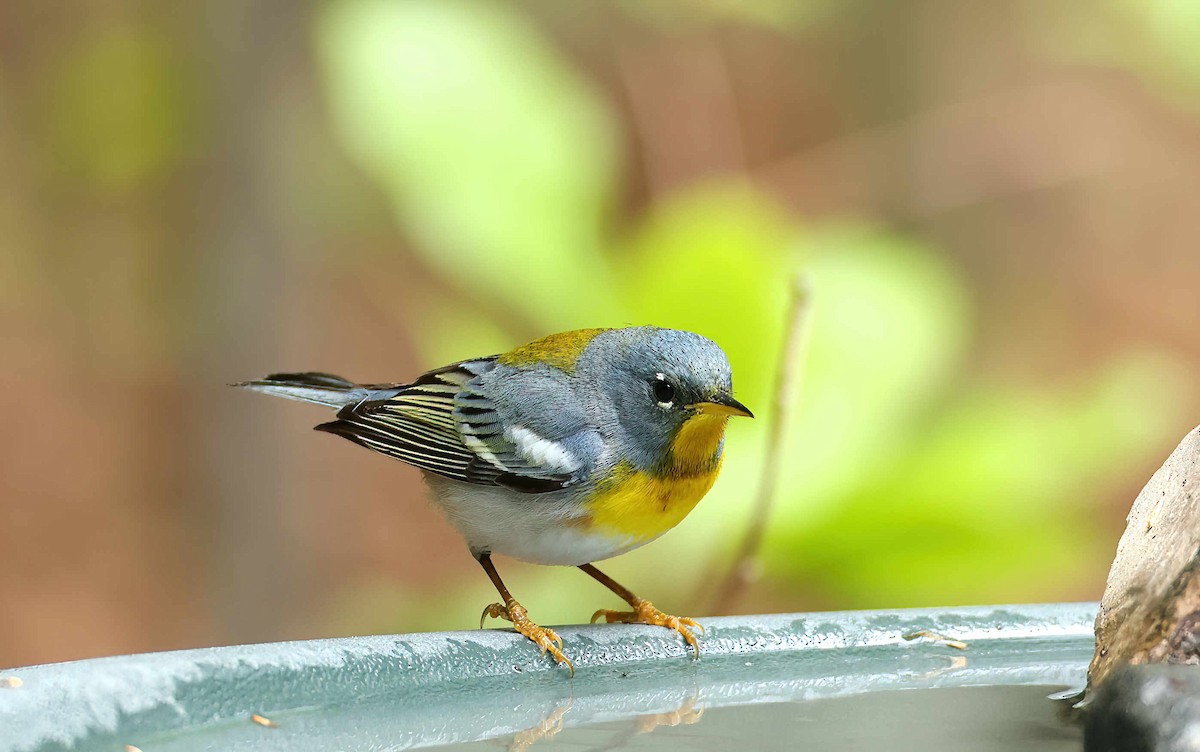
pixel 644 505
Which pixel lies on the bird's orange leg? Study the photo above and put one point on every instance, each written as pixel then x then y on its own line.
pixel 643 611
pixel 512 611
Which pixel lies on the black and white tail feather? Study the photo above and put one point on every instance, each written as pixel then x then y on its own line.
pixel 438 423
pixel 317 388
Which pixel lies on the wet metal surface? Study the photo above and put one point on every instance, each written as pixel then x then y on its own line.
pixel 962 719
pixel 429 690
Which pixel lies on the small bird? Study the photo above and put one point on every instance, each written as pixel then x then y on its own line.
pixel 574 448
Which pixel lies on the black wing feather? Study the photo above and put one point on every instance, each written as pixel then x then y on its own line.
pixel 437 423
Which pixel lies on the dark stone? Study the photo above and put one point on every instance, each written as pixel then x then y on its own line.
pixel 1185 642
pixel 1151 708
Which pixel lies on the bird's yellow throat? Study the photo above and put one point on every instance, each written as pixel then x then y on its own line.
pixel 643 505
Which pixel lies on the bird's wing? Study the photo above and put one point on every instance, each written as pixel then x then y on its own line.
pixel 446 422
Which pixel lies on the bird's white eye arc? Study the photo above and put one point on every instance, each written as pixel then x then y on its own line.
pixel 663 392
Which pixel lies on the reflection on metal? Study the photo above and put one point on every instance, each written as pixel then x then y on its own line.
pixel 548 728
pixel 410 691
pixel 686 714
pixel 935 637
pixel 955 663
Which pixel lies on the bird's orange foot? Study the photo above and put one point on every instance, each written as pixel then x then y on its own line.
pixel 544 637
pixel 644 612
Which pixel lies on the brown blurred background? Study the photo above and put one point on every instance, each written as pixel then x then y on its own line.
pixel 997 204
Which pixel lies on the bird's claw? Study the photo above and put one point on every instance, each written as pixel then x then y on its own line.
pixel 544 637
pixel 644 612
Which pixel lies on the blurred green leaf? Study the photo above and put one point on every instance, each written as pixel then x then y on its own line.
pixel 889 326
pixel 500 160
pixel 1173 28
pixel 989 499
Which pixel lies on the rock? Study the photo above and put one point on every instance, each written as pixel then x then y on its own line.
pixel 1145 709
pixel 1150 612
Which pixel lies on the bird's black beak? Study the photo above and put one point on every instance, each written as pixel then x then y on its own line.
pixel 722 404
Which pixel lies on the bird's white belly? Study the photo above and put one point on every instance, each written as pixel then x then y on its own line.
pixel 538 528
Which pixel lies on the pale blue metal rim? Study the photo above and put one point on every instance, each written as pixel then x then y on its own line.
pixel 421 690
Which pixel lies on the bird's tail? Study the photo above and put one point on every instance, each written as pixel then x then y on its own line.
pixel 317 388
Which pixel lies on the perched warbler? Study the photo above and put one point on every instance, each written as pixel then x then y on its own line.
pixel 571 449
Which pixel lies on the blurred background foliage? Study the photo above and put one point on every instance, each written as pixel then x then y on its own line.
pixel 992 202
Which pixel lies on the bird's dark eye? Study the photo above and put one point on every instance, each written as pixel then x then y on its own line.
pixel 664 393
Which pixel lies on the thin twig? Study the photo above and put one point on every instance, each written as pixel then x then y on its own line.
pixel 745 564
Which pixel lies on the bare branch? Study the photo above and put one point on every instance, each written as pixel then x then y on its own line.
pixel 745 569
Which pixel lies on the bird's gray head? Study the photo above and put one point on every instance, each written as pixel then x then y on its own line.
pixel 659 381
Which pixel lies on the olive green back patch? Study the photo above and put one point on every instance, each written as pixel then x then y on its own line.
pixel 558 350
